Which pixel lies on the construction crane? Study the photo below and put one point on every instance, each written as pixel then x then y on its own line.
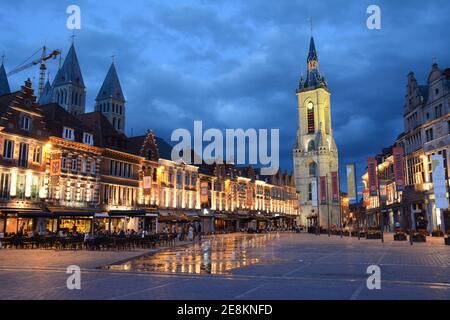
pixel 42 68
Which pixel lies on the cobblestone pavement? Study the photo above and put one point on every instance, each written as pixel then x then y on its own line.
pixel 292 266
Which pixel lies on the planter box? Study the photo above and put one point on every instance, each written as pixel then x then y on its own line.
pixel 447 241
pixel 419 237
pixel 437 234
pixel 400 236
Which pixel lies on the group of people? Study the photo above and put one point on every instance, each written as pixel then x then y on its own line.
pixel 190 231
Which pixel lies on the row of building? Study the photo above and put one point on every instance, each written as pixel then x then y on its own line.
pixel 63 168
pixel 426 132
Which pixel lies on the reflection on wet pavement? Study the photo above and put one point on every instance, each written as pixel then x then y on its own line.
pixel 215 255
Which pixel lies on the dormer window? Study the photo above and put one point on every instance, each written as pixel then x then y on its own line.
pixel 68 133
pixel 88 138
pixel 25 123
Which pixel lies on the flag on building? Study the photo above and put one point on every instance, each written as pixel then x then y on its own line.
pixel 335 186
pixel 323 190
pixel 372 173
pixel 399 171
pixel 439 182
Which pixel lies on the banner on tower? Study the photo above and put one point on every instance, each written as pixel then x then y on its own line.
pixel 314 193
pixel 323 190
pixel 439 181
pixel 335 186
pixel 399 172
pixel 372 173
pixel 351 187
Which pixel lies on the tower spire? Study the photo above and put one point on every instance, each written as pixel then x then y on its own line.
pixel 4 84
pixel 110 100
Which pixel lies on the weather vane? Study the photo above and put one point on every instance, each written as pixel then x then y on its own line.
pixel 310 19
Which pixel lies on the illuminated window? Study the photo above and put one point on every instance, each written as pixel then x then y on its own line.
pixel 74 163
pixel 88 138
pixel 23 155
pixel 37 154
pixel 25 123
pixel 68 133
pixel 8 149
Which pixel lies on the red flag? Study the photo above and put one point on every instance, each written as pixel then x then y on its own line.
pixel 323 190
pixel 335 186
pixel 399 168
pixel 372 173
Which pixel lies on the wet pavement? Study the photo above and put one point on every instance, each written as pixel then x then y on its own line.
pixel 212 255
pixel 235 267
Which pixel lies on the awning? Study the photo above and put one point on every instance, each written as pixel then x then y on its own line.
pixel 173 218
pixel 74 214
pixel 127 213
pixel 153 215
pixel 27 214
pixel 101 215
pixel 191 214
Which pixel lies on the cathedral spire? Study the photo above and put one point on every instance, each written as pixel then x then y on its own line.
pixel 110 100
pixel 4 85
pixel 111 87
pixel 46 95
pixel 70 72
pixel 68 88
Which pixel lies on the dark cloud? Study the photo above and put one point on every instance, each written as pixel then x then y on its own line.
pixel 237 63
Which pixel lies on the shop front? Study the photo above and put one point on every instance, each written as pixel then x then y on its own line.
pixel 223 223
pixel 26 222
pixel 132 220
pixel 75 221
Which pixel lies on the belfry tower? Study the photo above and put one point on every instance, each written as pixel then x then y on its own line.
pixel 315 152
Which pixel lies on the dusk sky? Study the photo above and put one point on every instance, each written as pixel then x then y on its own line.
pixel 236 64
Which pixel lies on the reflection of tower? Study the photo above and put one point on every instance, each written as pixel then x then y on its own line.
pixel 315 152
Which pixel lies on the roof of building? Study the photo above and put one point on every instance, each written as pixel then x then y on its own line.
pixel 111 87
pixel 5 101
pixel 106 135
pixel 4 84
pixel 56 117
pixel 70 72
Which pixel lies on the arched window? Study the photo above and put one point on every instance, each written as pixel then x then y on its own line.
pixel 312 169
pixel 311 146
pixel 118 124
pixel 310 117
pixel 114 123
